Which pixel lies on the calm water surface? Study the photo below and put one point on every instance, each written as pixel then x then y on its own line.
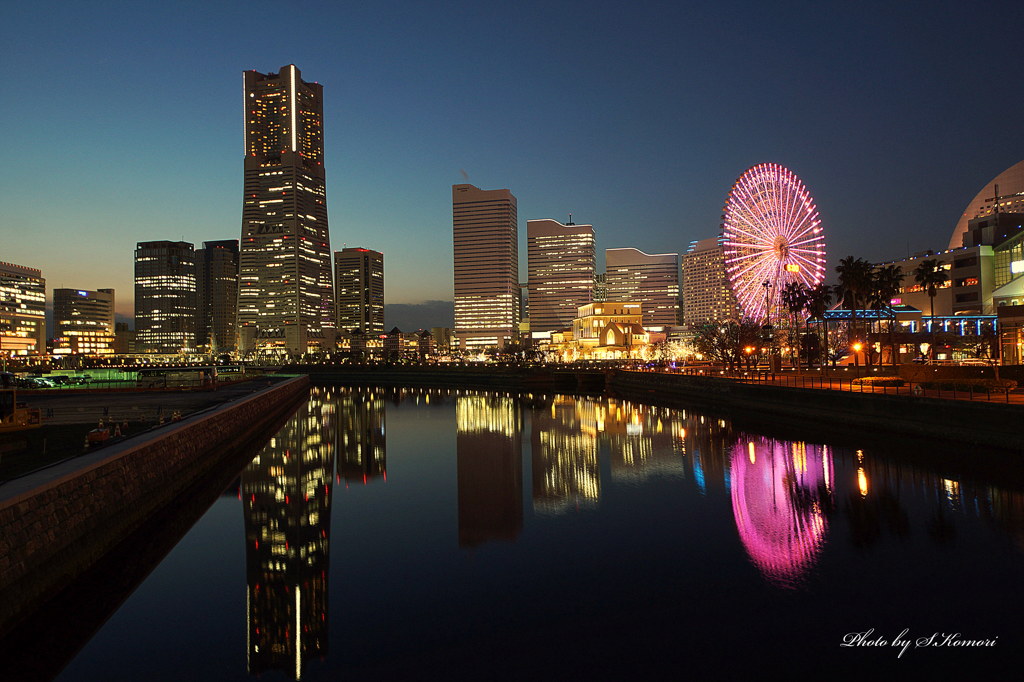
pixel 386 534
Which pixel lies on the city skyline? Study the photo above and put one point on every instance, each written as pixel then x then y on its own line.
pixel 653 173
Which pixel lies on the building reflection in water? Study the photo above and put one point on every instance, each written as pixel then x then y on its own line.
pixel 286 492
pixel 362 443
pixel 490 468
pixel 563 446
pixel 782 493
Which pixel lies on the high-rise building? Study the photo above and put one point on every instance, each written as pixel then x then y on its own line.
pixel 285 297
pixel 83 322
pixel 22 310
pixel 486 245
pixel 649 279
pixel 165 297
pixel 359 290
pixel 217 296
pixel 707 296
pixel 560 265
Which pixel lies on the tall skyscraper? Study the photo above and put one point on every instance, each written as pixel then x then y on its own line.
pixel 285 297
pixel 486 245
pixel 650 279
pixel 217 296
pixel 560 263
pixel 706 294
pixel 83 322
pixel 359 290
pixel 22 310
pixel 165 297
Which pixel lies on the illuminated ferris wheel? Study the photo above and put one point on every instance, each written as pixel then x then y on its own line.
pixel 771 236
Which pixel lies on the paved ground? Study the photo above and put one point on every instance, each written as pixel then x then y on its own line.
pixel 68 417
pixel 89 407
pixel 812 380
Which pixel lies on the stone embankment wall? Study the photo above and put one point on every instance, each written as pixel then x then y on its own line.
pixel 56 523
pixel 976 423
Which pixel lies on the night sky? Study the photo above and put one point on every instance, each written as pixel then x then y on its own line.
pixel 124 121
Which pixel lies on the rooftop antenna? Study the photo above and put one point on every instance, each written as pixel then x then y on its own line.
pixel 995 210
pixel 570 220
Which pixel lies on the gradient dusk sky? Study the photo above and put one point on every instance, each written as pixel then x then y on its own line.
pixel 124 120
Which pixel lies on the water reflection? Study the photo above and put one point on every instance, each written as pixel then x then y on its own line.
pixel 286 493
pixel 362 443
pixel 563 451
pixel 781 494
pixel 490 468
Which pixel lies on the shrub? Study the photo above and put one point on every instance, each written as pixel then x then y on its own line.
pixel 879 381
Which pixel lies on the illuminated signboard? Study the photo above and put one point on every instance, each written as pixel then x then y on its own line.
pixel 792 267
pixel 1017 267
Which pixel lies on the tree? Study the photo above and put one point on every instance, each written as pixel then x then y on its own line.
pixel 794 297
pixel 724 342
pixel 854 285
pixel 885 284
pixel 930 276
pixel 819 298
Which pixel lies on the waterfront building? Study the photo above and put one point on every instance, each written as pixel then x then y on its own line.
pixel 1003 194
pixel 603 331
pixel 22 310
pixel 707 297
pixel 83 322
pixel 560 263
pixel 217 296
pixel 359 290
pixel 486 250
pixel 285 298
pixel 968 289
pixel 165 297
pixel 649 279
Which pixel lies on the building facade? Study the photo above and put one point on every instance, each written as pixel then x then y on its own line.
pixel 707 297
pixel 217 296
pixel 83 322
pixel 165 297
pixel 560 266
pixel 650 279
pixel 285 298
pixel 486 249
pixel 22 310
pixel 359 290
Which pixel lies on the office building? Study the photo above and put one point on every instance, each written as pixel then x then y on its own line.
pixel 217 296
pixel 165 297
pixel 22 310
pixel 649 279
pixel 83 322
pixel 359 290
pixel 486 246
pixel 560 263
pixel 707 297
pixel 285 298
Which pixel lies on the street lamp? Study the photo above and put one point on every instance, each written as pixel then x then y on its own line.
pixel 857 346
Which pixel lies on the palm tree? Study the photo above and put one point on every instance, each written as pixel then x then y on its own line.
pixel 819 298
pixel 794 297
pixel 886 282
pixel 931 276
pixel 854 286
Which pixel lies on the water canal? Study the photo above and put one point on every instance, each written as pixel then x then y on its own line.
pixel 425 534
